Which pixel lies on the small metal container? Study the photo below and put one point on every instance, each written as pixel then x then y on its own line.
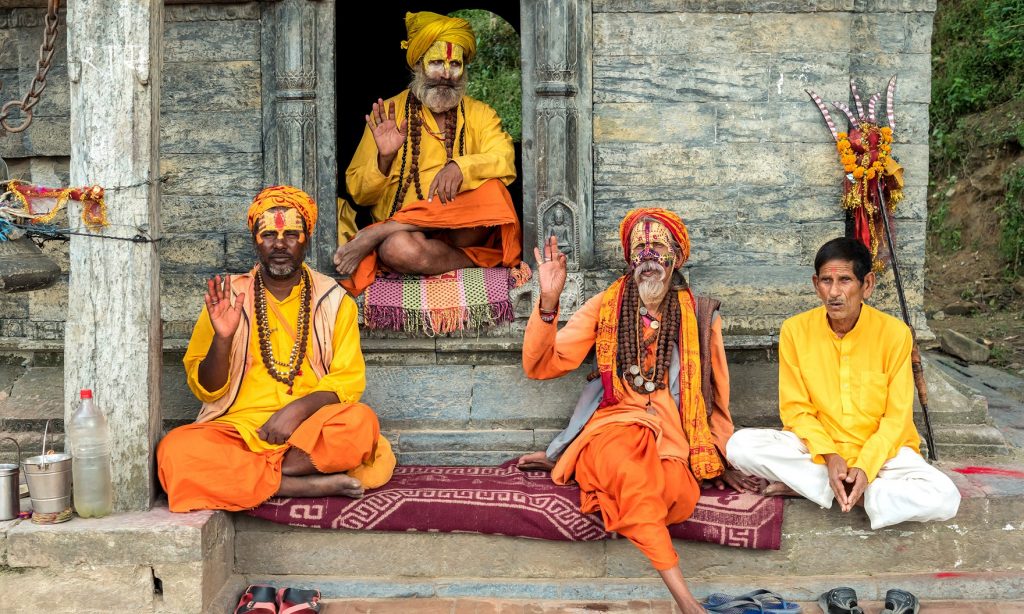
pixel 10 503
pixel 49 480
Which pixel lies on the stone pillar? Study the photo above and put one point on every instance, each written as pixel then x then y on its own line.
pixel 557 160
pixel 113 337
pixel 299 132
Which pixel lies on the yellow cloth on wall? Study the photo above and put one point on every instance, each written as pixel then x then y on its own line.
pixel 852 396
pixel 260 395
pixel 489 154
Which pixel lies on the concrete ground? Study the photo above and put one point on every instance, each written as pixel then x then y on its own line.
pixel 497 606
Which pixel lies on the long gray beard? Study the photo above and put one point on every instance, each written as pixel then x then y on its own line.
pixel 438 98
pixel 651 290
pixel 281 271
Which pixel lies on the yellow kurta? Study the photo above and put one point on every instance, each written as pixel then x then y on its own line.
pixel 852 396
pixel 260 395
pixel 489 154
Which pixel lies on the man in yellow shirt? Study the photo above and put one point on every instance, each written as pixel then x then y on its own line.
pixel 846 400
pixel 276 362
pixel 433 164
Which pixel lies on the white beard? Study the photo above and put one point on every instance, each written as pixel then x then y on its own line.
pixel 437 98
pixel 651 289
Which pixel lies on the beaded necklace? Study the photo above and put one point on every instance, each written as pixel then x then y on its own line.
pixel 414 112
pixel 298 352
pixel 633 347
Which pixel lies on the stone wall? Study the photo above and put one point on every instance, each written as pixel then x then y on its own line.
pixel 699 106
pixel 211 154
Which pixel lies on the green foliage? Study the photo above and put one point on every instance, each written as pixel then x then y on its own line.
pixel 494 75
pixel 977 58
pixel 949 236
pixel 1011 222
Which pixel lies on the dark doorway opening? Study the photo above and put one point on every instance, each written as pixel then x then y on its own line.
pixel 366 71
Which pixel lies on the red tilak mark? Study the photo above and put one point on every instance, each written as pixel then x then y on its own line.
pixel 448 51
pixel 278 220
pixel 947 574
pixel 1006 473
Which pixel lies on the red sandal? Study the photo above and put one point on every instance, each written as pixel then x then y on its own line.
pixel 258 599
pixel 298 601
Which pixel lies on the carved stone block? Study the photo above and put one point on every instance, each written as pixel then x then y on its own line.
pixel 559 217
pixel 524 297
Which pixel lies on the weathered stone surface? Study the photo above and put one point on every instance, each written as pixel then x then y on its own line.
pixel 38 395
pixel 467 440
pixel 722 33
pixel 683 123
pixel 238 174
pixel 414 554
pixel 962 346
pixel 702 77
pixel 93 589
pixel 471 458
pixel 504 397
pixel 186 214
pixel 720 6
pixel 385 352
pixel 181 296
pixel 199 253
pixel 416 396
pixel 211 41
pixel 225 86
pixel 913 69
pixel 24 268
pixel 211 132
pixel 177 403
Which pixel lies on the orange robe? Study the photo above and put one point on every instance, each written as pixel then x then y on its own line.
pixel 223 464
pixel 489 205
pixel 631 459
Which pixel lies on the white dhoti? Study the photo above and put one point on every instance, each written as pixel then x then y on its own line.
pixel 906 488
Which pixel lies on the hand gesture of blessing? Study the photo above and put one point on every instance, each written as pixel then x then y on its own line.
pixel 387 134
pixel 550 273
pixel 223 316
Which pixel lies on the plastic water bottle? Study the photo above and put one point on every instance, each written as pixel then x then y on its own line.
pixel 90 460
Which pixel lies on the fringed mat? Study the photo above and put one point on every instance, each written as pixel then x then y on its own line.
pixel 463 299
pixel 506 501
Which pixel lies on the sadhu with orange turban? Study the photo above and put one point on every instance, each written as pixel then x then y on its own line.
pixel 275 361
pixel 657 421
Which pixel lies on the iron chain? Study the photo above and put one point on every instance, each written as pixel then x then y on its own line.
pixel 46 52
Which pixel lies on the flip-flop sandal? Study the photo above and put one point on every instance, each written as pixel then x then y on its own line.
pixel 258 599
pixel 840 600
pixel 760 601
pixel 298 601
pixel 899 601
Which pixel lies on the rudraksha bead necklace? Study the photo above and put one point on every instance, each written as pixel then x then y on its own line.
pixel 298 352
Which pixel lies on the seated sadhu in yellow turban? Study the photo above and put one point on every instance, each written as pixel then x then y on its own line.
pixel 275 360
pixel 432 164
pixel 656 420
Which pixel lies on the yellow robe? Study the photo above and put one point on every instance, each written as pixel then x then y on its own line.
pixel 489 154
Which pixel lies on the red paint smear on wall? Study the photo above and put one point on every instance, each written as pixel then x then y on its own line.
pixel 948 574
pixel 1006 473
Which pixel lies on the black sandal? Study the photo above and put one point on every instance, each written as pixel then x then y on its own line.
pixel 840 600
pixel 899 601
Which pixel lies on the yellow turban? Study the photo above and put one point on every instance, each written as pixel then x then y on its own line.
pixel 426 28
pixel 283 196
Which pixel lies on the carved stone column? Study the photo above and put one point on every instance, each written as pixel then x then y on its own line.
pixel 557 160
pixel 298 110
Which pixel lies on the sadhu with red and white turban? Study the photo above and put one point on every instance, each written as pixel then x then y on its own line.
pixel 276 363
pixel 432 167
pixel 655 421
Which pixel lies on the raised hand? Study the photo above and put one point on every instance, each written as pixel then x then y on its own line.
pixel 223 315
pixel 387 134
pixel 551 273
pixel 446 183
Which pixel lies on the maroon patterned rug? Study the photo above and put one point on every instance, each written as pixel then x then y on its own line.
pixel 506 501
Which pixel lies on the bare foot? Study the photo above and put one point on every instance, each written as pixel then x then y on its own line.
pixel 535 461
pixel 320 485
pixel 349 255
pixel 778 489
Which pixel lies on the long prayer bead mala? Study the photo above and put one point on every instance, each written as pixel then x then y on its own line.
pixel 414 113
pixel 298 352
pixel 632 345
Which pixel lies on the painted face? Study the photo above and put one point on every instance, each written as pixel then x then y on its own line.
pixel 651 241
pixel 280 242
pixel 841 292
pixel 443 60
pixel 280 224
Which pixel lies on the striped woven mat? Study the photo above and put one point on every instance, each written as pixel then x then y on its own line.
pixel 463 299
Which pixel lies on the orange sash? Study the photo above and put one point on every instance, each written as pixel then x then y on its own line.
pixel 704 459
pixel 488 205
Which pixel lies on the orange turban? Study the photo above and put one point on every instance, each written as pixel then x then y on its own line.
pixel 284 196
pixel 667 219
pixel 426 28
